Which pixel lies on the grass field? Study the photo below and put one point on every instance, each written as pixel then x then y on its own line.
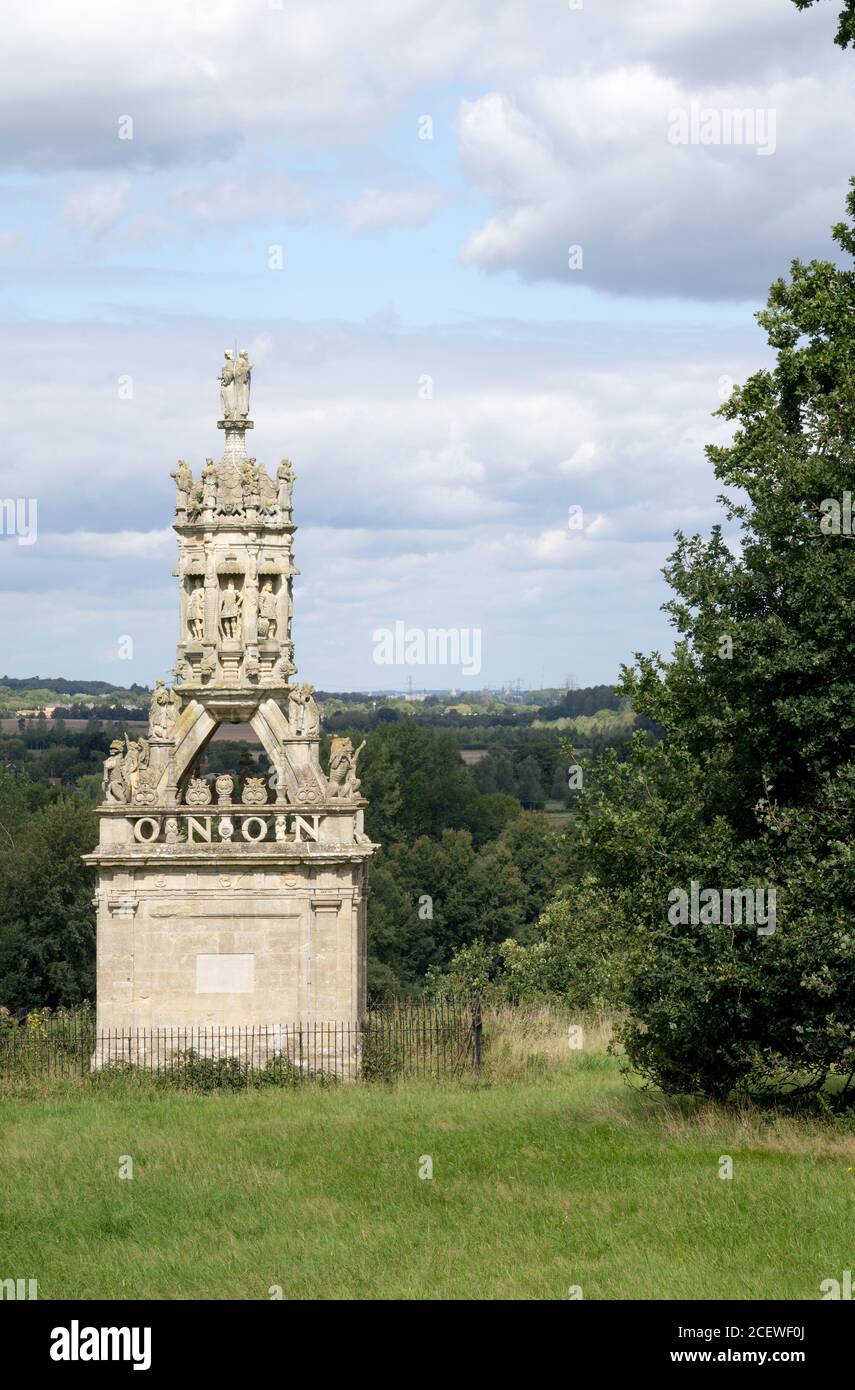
pixel 551 1173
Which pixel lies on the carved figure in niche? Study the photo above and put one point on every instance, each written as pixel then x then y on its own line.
pixel 281 827
pixel 305 716
pixel 172 830
pixel 198 792
pixel 227 386
pixel 254 792
pixel 225 786
pixel 285 476
pixel 267 612
pixel 163 712
pixel 196 613
pixel 243 381
pixel 231 606
pixel 183 487
pixel 343 781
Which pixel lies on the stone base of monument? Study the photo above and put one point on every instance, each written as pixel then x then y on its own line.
pixel 276 1052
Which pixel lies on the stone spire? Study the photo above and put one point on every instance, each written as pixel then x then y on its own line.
pixel 236 567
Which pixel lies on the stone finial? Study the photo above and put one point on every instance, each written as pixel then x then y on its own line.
pixel 235 382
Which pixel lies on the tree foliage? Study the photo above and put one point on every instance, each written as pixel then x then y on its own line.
pixel 753 785
pixel 845 24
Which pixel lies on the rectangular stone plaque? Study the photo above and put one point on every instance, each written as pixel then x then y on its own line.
pixel 225 974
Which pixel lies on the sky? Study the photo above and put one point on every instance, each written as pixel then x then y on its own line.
pixel 496 265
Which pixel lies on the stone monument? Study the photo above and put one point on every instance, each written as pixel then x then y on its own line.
pixel 232 905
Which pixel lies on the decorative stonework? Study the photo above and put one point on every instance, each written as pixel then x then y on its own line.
pixel 271 872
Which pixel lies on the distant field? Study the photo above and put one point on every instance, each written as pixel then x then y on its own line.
pixel 242 732
pixel 555 1174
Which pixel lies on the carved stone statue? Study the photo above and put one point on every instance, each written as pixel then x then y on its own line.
pixel 305 716
pixel 231 606
pixel 136 756
pixel 196 613
pixel 343 781
pixel 163 712
pixel 285 476
pixel 123 766
pixel 228 402
pixel 183 476
pixel 267 612
pixel 209 486
pixel 114 780
pixel 242 379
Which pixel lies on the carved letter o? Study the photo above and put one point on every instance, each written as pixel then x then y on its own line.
pixel 153 821
pixel 253 820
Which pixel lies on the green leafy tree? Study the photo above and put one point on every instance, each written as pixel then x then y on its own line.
pixel 47 924
pixel 529 785
pixel 752 786
pixel 845 24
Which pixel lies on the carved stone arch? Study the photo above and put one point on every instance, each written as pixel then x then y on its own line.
pixel 270 724
pixel 193 731
pixel 295 763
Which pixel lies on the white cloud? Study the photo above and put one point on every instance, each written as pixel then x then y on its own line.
pixel 585 160
pixel 377 207
pixel 97 209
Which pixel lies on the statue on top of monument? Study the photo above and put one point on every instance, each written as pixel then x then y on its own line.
pixel 163 711
pixel 285 476
pixel 113 784
pixel 228 401
pixel 343 781
pixel 243 379
pixel 183 476
pixel 235 379
pixel 304 713
pixel 123 767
